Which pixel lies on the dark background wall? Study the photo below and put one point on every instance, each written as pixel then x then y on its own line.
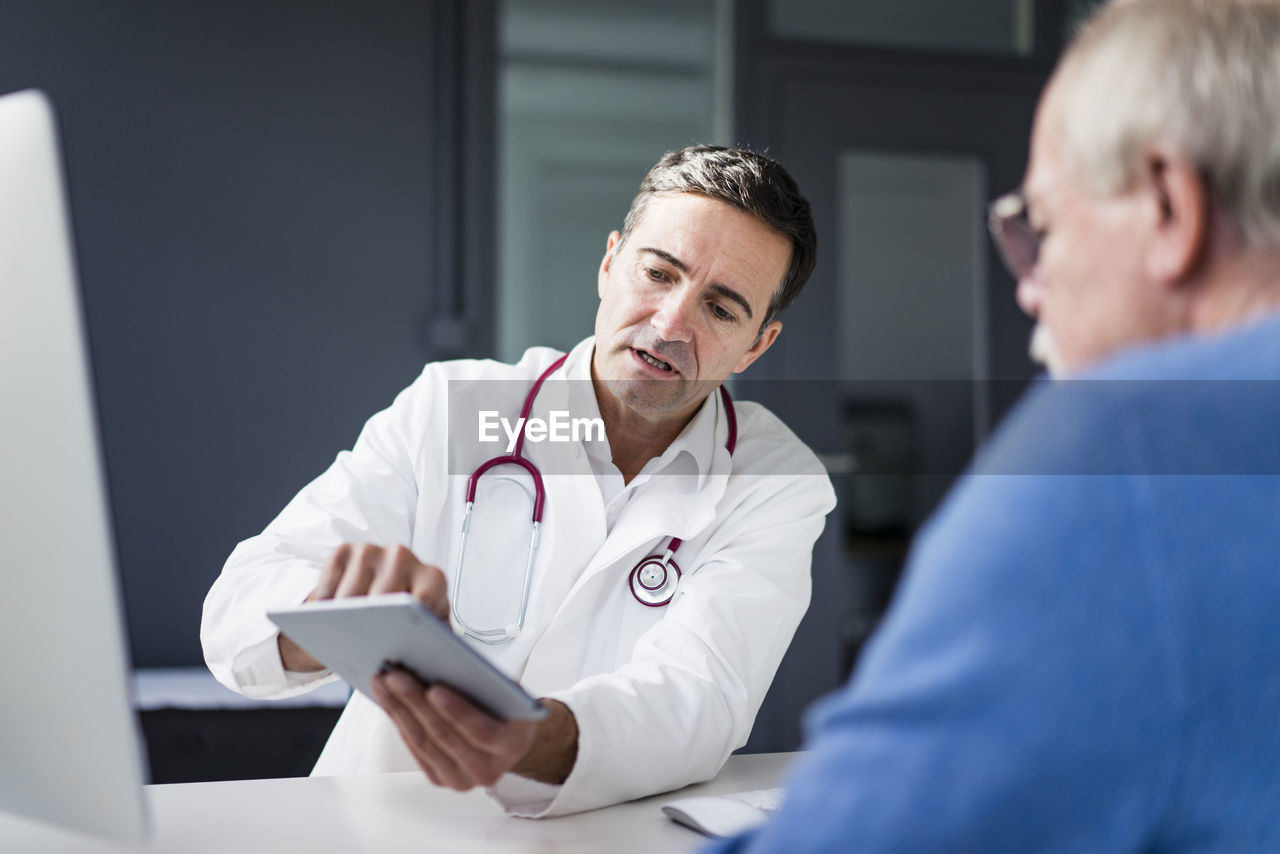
pixel 283 208
pixel 254 189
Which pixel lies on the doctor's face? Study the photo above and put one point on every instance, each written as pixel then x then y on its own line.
pixel 682 301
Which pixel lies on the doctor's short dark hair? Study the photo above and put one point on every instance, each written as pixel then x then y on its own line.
pixel 750 182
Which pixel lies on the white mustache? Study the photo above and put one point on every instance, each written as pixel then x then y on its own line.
pixel 1043 350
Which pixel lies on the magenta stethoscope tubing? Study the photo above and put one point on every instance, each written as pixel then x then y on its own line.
pixel 505 633
pixel 646 592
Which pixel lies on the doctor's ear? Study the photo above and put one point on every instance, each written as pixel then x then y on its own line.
pixel 763 342
pixel 611 246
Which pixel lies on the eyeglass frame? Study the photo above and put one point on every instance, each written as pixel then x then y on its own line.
pixel 1011 231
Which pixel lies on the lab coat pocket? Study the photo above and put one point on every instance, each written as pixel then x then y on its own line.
pixel 634 617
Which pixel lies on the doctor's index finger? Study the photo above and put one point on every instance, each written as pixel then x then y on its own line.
pixel 480 761
pixel 331 575
pixel 360 569
pixel 478 728
pixel 396 694
pixel 396 570
pixel 430 588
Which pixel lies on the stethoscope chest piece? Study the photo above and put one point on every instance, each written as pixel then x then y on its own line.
pixel 654 579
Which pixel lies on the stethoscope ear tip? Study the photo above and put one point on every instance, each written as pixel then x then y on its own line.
pixel 512 631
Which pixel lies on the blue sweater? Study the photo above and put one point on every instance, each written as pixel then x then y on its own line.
pixel 1084 654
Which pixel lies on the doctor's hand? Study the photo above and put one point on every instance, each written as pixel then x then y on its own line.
pixel 367 570
pixel 460 746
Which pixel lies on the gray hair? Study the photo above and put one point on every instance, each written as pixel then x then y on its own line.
pixel 750 182
pixel 1200 75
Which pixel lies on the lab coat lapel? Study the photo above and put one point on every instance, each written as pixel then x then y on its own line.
pixel 673 505
pixel 573 528
pixel 668 507
pixel 644 525
pixel 573 533
pixel 665 509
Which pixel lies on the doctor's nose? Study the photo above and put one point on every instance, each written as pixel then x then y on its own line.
pixel 673 317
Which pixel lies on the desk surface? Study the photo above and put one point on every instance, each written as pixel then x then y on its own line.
pixel 386 813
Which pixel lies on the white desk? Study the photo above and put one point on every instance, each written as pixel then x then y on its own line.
pixel 385 814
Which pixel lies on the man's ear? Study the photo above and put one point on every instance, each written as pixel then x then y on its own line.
pixel 762 343
pixel 1180 237
pixel 607 261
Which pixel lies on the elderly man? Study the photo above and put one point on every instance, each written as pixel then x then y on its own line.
pixel 1083 656
pixel 672 558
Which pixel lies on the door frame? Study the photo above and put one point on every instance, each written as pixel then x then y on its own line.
pixel 771 75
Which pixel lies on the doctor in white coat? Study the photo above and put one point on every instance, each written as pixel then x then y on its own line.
pixel 644 693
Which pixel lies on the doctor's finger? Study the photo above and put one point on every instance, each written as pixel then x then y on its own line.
pixel 430 588
pixel 362 565
pixel 397 713
pixel 484 732
pixel 397 699
pixel 473 767
pixel 394 571
pixel 327 586
pixel 484 757
pixel 397 572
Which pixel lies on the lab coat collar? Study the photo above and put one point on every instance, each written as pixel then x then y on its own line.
pixel 665 506
pixel 702 438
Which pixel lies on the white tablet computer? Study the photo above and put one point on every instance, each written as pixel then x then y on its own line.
pixel 357 637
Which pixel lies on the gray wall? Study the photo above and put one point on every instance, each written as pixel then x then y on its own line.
pixel 590 94
pixel 251 186
pixel 279 211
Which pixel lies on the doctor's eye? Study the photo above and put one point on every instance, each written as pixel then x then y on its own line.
pixel 656 275
pixel 722 314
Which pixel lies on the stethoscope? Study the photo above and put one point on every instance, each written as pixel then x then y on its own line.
pixel 654 579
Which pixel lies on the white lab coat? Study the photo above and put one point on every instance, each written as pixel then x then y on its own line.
pixel 661 696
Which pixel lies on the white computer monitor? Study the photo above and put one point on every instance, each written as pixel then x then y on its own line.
pixel 70 750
